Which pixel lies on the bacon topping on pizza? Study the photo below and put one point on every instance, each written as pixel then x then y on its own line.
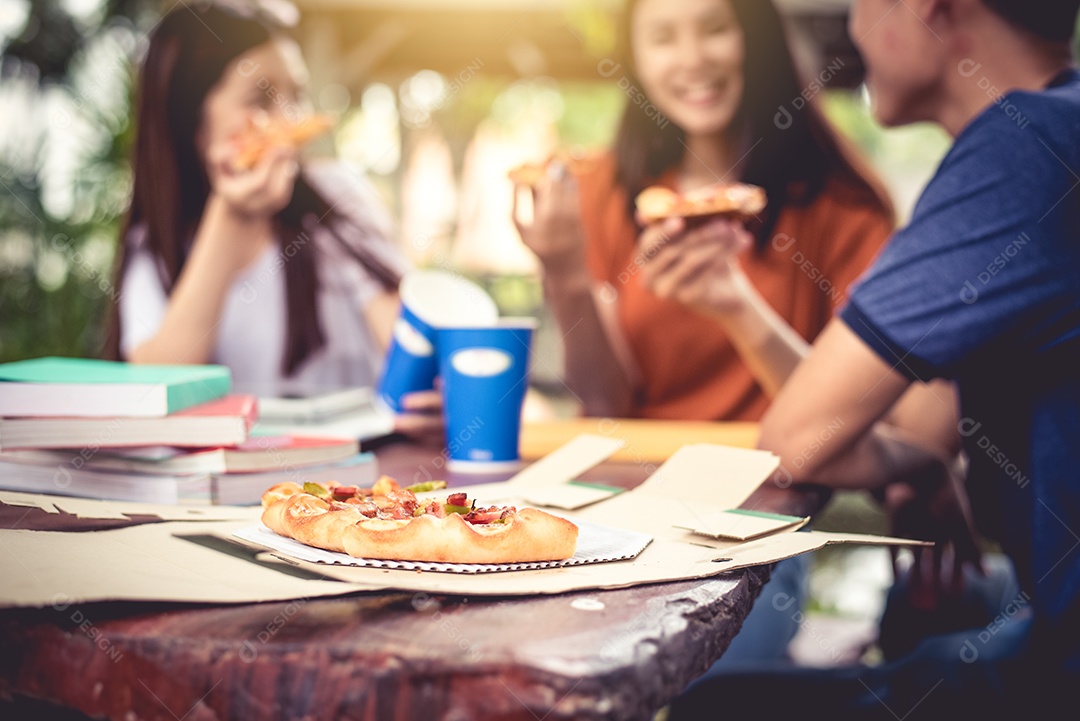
pixel 387 500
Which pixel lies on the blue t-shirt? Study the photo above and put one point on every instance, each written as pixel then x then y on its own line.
pixel 983 287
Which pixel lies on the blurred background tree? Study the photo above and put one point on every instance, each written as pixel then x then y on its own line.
pixel 65 85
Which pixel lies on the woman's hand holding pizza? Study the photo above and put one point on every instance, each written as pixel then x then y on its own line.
pixel 257 193
pixel 697 266
pixel 555 233
pixel 236 224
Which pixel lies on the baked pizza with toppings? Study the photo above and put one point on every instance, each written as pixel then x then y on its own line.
pixel 389 522
pixel 258 139
pixel 576 163
pixel 735 200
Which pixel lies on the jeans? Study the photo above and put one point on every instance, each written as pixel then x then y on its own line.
pixel 772 622
pixel 978 672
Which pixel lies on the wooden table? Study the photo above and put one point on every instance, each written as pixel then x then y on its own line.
pixel 647 441
pixel 618 654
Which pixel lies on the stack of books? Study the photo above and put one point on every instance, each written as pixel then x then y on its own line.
pixel 152 433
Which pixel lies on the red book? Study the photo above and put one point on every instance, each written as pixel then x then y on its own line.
pixel 256 454
pixel 224 422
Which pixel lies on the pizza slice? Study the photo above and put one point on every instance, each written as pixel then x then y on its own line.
pixel 577 163
pixel 251 146
pixel 388 522
pixel 734 200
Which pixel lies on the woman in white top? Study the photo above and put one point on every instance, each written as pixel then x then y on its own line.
pixel 286 274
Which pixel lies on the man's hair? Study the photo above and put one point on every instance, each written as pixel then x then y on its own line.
pixel 1048 19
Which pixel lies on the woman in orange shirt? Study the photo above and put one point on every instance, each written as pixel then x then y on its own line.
pixel 706 323
pixel 703 323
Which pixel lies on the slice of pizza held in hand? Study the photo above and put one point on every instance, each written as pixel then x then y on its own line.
pixel 257 140
pixel 577 163
pixel 734 200
pixel 388 522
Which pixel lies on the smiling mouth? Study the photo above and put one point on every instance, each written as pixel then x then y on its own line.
pixel 703 94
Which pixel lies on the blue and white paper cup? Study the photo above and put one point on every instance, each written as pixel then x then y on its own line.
pixel 430 300
pixel 485 373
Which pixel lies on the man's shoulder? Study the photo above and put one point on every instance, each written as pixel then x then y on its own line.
pixel 1023 146
pixel 1059 101
pixel 1021 120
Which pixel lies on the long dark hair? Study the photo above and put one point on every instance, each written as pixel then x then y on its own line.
pixel 188 53
pixel 798 151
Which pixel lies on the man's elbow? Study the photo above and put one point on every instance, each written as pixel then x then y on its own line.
pixel 797 454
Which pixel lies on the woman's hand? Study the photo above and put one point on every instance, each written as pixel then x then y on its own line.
pixel 422 418
pixel 599 368
pixel 555 234
pixel 235 226
pixel 697 267
pixel 257 193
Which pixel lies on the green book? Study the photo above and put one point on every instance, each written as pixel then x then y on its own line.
pixel 83 387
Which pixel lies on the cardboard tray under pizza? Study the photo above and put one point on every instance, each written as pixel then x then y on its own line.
pixel 685 508
pixel 596 544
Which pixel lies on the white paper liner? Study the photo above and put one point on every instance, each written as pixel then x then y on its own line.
pixel 596 544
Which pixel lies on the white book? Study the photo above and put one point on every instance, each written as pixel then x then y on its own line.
pixel 66 480
pixel 200 489
pixel 316 408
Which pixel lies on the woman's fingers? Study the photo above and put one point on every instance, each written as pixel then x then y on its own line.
pixel 219 159
pixel 679 262
pixel 264 189
pixel 726 236
pixel 515 213
pixel 555 233
pixel 422 402
pixel 703 281
pixel 422 418
pixel 662 245
pixel 282 179
pixel 421 427
pixel 660 235
pixel 676 267
pixel 278 163
pixel 562 187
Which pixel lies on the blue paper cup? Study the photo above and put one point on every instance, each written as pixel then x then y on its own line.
pixel 485 373
pixel 430 299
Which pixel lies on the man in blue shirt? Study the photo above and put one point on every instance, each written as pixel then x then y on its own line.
pixel 982 289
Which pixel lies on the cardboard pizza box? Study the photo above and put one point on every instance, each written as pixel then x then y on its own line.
pixel 684 507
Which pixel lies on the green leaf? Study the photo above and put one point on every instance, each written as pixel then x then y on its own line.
pixel 316 490
pixel 426 486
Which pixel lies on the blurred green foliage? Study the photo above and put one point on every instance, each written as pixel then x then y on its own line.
pixel 64 178
pixel 55 272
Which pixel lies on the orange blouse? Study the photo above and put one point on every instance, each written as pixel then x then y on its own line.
pixel 690 370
